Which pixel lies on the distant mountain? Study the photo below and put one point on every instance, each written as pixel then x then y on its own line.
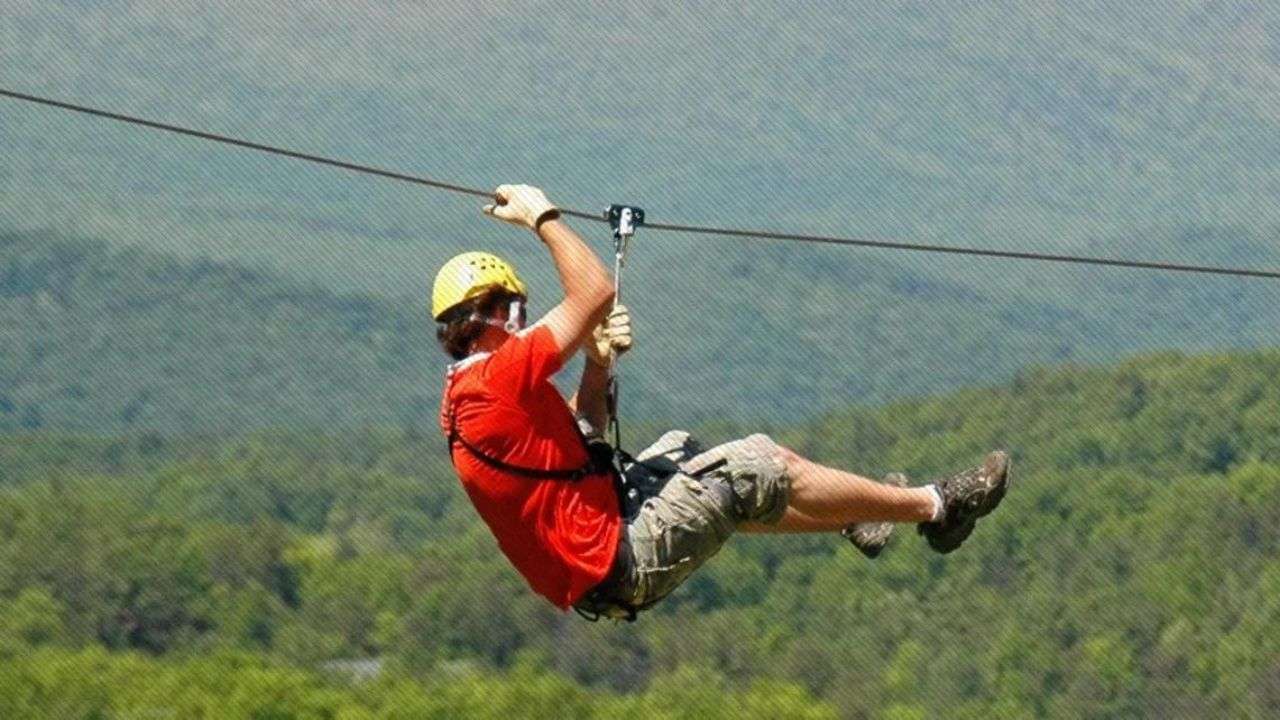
pixel 1143 131
pixel 989 123
pixel 101 340
pixel 98 340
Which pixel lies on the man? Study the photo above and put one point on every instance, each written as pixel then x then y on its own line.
pixel 523 455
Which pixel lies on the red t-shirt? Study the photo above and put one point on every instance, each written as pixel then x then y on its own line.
pixel 561 535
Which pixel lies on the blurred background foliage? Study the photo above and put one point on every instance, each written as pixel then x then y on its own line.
pixel 1132 570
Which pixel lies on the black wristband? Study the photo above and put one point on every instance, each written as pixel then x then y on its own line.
pixel 552 214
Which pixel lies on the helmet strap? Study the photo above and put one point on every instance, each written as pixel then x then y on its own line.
pixel 511 324
pixel 515 313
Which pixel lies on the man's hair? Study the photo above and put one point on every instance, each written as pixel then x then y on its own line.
pixel 458 330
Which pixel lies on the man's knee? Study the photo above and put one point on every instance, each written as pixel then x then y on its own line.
pixel 756 469
pixel 790 459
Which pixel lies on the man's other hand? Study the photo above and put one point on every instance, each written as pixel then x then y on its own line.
pixel 522 205
pixel 611 336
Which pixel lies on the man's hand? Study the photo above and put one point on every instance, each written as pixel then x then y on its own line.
pixel 522 205
pixel 611 336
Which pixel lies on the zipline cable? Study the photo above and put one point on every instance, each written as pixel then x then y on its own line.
pixel 690 229
pixel 953 250
pixel 369 170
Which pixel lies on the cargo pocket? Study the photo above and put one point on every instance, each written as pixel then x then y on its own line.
pixel 655 583
pixel 679 530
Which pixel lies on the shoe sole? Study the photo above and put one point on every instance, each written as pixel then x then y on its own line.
pixel 996 465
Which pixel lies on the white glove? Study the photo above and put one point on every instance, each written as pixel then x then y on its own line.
pixel 522 205
pixel 611 336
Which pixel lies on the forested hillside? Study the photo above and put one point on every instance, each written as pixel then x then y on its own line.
pixel 1132 571
pixel 1144 131
pixel 137 341
pixel 96 340
pixel 121 341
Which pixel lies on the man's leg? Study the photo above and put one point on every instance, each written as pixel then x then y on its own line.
pixel 869 537
pixel 945 511
pixel 793 521
pixel 779 491
pixel 753 485
pixel 824 498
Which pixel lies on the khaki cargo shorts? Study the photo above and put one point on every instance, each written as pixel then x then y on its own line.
pixel 681 502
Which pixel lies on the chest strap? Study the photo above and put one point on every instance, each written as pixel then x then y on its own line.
pixel 592 466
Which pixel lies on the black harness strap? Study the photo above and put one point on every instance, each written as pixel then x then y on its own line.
pixel 593 614
pixel 455 436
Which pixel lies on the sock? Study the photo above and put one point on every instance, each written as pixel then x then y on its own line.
pixel 939 508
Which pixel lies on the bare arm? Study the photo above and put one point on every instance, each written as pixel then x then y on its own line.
pixel 591 400
pixel 588 288
pixel 608 341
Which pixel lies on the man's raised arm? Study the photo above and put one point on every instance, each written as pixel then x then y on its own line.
pixel 588 286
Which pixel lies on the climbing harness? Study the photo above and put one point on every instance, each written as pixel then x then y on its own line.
pixel 624 219
pixel 601 459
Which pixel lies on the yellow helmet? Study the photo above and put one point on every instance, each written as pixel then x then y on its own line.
pixel 471 275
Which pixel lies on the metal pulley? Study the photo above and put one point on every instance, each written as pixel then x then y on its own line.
pixel 624 219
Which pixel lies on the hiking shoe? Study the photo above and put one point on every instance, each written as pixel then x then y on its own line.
pixel 965 498
pixel 871 537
